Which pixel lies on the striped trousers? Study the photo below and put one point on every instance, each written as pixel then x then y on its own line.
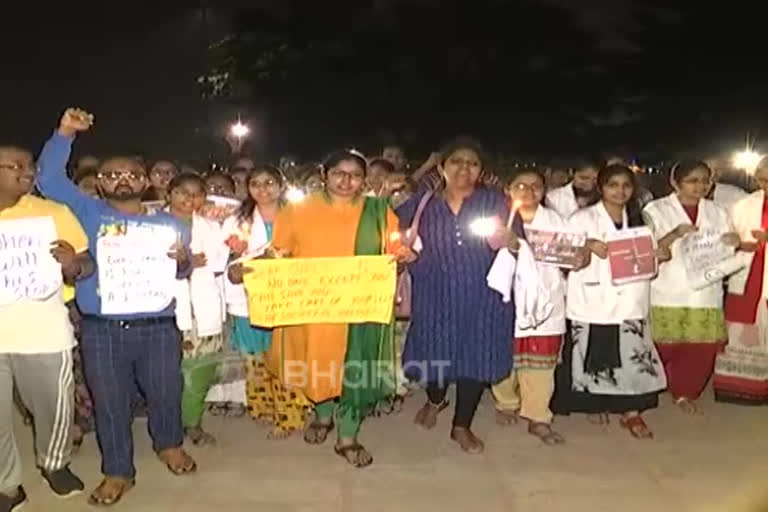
pixel 118 355
pixel 45 385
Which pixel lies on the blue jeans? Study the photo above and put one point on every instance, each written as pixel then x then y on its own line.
pixel 118 355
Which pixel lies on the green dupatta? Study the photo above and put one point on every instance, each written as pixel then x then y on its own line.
pixel 369 371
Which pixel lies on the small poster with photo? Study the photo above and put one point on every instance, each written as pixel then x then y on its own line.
pixel 218 208
pixel 632 255
pixel 556 248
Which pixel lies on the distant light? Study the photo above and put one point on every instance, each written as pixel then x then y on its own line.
pixel 294 194
pixel 240 130
pixel 484 226
pixel 746 160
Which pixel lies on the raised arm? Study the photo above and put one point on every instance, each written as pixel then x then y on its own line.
pixel 52 178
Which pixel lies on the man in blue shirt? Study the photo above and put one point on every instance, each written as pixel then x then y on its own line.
pixel 120 350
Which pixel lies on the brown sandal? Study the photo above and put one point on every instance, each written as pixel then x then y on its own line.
pixel 361 458
pixel 468 441
pixel 178 461
pixel 426 418
pixel 688 406
pixel 118 486
pixel 636 427
pixel 317 432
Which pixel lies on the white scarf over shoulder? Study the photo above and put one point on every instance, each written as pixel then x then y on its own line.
pixel 199 297
pixel 539 289
pixel 256 233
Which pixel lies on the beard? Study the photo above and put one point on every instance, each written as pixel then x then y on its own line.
pixel 121 194
pixel 589 194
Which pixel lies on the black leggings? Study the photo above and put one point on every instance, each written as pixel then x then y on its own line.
pixel 468 393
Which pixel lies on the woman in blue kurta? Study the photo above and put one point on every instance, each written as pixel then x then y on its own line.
pixel 460 331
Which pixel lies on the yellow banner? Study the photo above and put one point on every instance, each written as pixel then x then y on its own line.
pixel 297 291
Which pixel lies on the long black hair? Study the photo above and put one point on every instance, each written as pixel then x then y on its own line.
pixel 246 208
pixel 634 214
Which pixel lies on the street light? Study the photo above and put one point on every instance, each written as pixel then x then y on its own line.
pixel 746 160
pixel 240 130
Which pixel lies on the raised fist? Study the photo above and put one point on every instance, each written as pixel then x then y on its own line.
pixel 75 120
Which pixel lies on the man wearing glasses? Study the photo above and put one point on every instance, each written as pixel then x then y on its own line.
pixel 121 349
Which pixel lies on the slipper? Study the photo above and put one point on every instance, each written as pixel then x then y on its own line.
pixel 99 500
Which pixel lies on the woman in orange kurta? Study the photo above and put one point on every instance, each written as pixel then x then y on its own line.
pixel 311 357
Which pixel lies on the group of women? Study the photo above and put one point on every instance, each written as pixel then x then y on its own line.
pixel 600 348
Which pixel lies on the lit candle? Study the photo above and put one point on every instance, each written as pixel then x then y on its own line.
pixel 294 194
pixel 484 226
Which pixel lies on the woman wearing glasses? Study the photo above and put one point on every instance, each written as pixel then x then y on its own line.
pixel 687 322
pixel 528 390
pixel 337 221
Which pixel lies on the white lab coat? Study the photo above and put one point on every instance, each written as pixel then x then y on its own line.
pixel 551 278
pixel 236 298
pixel 671 287
pixel 563 201
pixel 747 215
pixel 591 296
pixel 200 296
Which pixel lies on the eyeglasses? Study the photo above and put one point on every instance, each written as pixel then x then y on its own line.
pixel 120 174
pixel 167 173
pixel 339 175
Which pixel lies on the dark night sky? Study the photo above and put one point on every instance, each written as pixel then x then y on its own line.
pixel 673 78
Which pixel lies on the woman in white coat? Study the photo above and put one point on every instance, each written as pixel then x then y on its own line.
pixel 610 364
pixel 199 303
pixel 528 390
pixel 741 371
pixel 687 322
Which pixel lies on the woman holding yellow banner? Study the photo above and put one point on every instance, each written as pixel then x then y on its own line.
pixel 315 358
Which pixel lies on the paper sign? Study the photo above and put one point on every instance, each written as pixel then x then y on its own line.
pixel 321 290
pixel 135 273
pixel 632 255
pixel 218 208
pixel 557 248
pixel 707 259
pixel 27 269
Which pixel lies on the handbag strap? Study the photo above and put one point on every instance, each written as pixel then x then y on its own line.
pixel 413 231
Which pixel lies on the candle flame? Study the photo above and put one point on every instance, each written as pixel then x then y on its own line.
pixel 484 226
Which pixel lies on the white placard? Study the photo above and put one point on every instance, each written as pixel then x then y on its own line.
pixel 707 258
pixel 27 268
pixel 135 273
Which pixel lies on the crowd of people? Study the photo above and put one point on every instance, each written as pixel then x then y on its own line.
pixel 482 313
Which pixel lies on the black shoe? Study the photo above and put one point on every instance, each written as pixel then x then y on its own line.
pixel 9 504
pixel 63 482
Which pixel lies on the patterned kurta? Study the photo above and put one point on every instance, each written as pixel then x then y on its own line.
pixel 460 328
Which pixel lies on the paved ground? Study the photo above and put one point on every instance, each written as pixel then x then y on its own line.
pixel 717 462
